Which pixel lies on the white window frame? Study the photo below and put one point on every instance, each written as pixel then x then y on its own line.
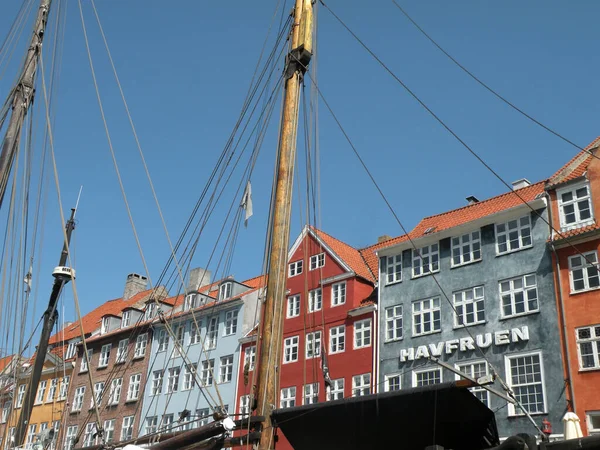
pixel 590 425
pixel 84 364
pixel 312 347
pixel 393 269
pixel 579 223
pixel 72 348
pixel 127 428
pixel 512 410
pixel 426 260
pixel 525 290
pixel 78 399
pixel 388 378
pixel 88 435
pixel 244 409
pixel 427 310
pixel 594 340
pixel 173 379
pixel 20 395
pixel 151 425
pixel 287 396
pixel 469 365
pixel 338 294
pixel 337 388
pixel 114 395
pixel 231 318
pixel 5 410
pixel 104 356
pixel 394 323
pixel 122 351
pixel 290 349
pixel 207 374
pixel 149 311
pixel 179 339
pixel 250 356
pixel 295 268
pixel 212 332
pixel 195 334
pixel 109 430
pixel 317 261
pixel 360 383
pixel 70 437
pixel 226 369
pixel 141 343
pixel 311 394
pixel 157 382
pixel 104 327
pixel 188 376
pixel 163 340
pixel 97 394
pixel 41 392
pixel 190 302
pixel 126 319
pixel 293 306
pixel 226 290
pixel 469 302
pixel 417 372
pixel 467 248
pixel 586 268
pixel 520 226
pixel 64 387
pixel 315 300
pixel 337 339
pixel 363 333
pixel 133 390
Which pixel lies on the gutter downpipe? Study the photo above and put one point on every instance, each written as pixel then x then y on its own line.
pixel 559 290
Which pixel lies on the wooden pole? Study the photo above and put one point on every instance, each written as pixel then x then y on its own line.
pixel 271 339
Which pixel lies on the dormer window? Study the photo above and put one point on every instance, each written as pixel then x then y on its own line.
pixel 575 206
pixel 317 261
pixel 126 319
pixel 150 311
pixel 72 349
pixel 225 290
pixel 105 325
pixel 191 301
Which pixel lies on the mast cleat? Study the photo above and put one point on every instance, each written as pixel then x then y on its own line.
pixel 63 272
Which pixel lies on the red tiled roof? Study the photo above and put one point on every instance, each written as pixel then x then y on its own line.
pixel 577 166
pixel 5 361
pixel 370 256
pixel 575 232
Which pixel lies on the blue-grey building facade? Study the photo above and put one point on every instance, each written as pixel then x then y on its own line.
pixel 495 311
pixel 196 366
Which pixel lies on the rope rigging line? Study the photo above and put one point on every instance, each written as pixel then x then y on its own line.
pixel 14 36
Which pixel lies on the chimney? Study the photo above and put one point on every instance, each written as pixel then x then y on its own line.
pixel 519 184
pixel 135 284
pixel 198 277
pixel 472 199
pixel 383 238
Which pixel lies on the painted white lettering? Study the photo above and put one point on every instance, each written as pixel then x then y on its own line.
pixel 501 337
pixel 484 343
pixel 466 344
pixel 520 334
pixel 421 352
pixel 407 354
pixel 436 350
pixel 451 345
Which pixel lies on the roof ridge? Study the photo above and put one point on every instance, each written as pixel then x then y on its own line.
pixel 576 160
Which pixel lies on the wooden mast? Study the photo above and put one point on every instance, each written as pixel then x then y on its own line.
pixel 271 339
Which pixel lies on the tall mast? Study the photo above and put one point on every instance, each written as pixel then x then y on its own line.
pixel 62 275
pixel 22 97
pixel 271 340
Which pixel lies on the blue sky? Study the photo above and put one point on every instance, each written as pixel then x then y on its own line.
pixel 185 67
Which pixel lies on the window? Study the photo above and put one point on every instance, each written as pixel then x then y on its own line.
pixel 72 349
pixel 88 436
pixel 290 350
pixel 41 392
pixel 150 311
pixel 109 430
pixel 466 249
pixel 575 207
pixel 140 345
pixel 126 319
pixel 337 339
pixel 98 392
pixel 179 340
pixel 163 340
pixel 105 327
pixel 250 357
pixel 244 406
pixel 211 334
pixel 83 367
pixel 393 323
pixel 593 422
pixel 469 307
pixel 393 382
pixel 226 369
pixel 195 332
pixel 338 294
pixel 21 395
pixel 70 437
pixel 361 385
pixel 230 323
pixel 393 269
pixel 288 397
pixel 157 381
pixel 311 393
pixel 114 394
pixel 336 392
pixel 315 300
pixel 362 333
pixel 426 316
pixel 524 374
pixel 188 376
pixel 583 271
pixel 5 411
pixel 133 391
pixel 225 290
pixel 64 388
pixel 519 296
pixel 104 355
pixel 167 422
pixel 588 345
pixel 207 372
pixel 295 268
pixel 191 302
pixel 293 306
pixel 31 435
pixel 122 351
pixel 52 390
pixel 317 261
pixel 427 377
pixel 476 370
pixel 513 235
pixel 203 415
pixel 151 425
pixel 313 344
pixel 78 398
pixel 173 379
pixel 127 428
pixel 426 260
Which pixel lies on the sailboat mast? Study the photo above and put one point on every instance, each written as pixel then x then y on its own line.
pixel 22 97
pixel 62 275
pixel 271 340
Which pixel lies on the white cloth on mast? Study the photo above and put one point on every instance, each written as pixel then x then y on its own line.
pixel 572 428
pixel 247 202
